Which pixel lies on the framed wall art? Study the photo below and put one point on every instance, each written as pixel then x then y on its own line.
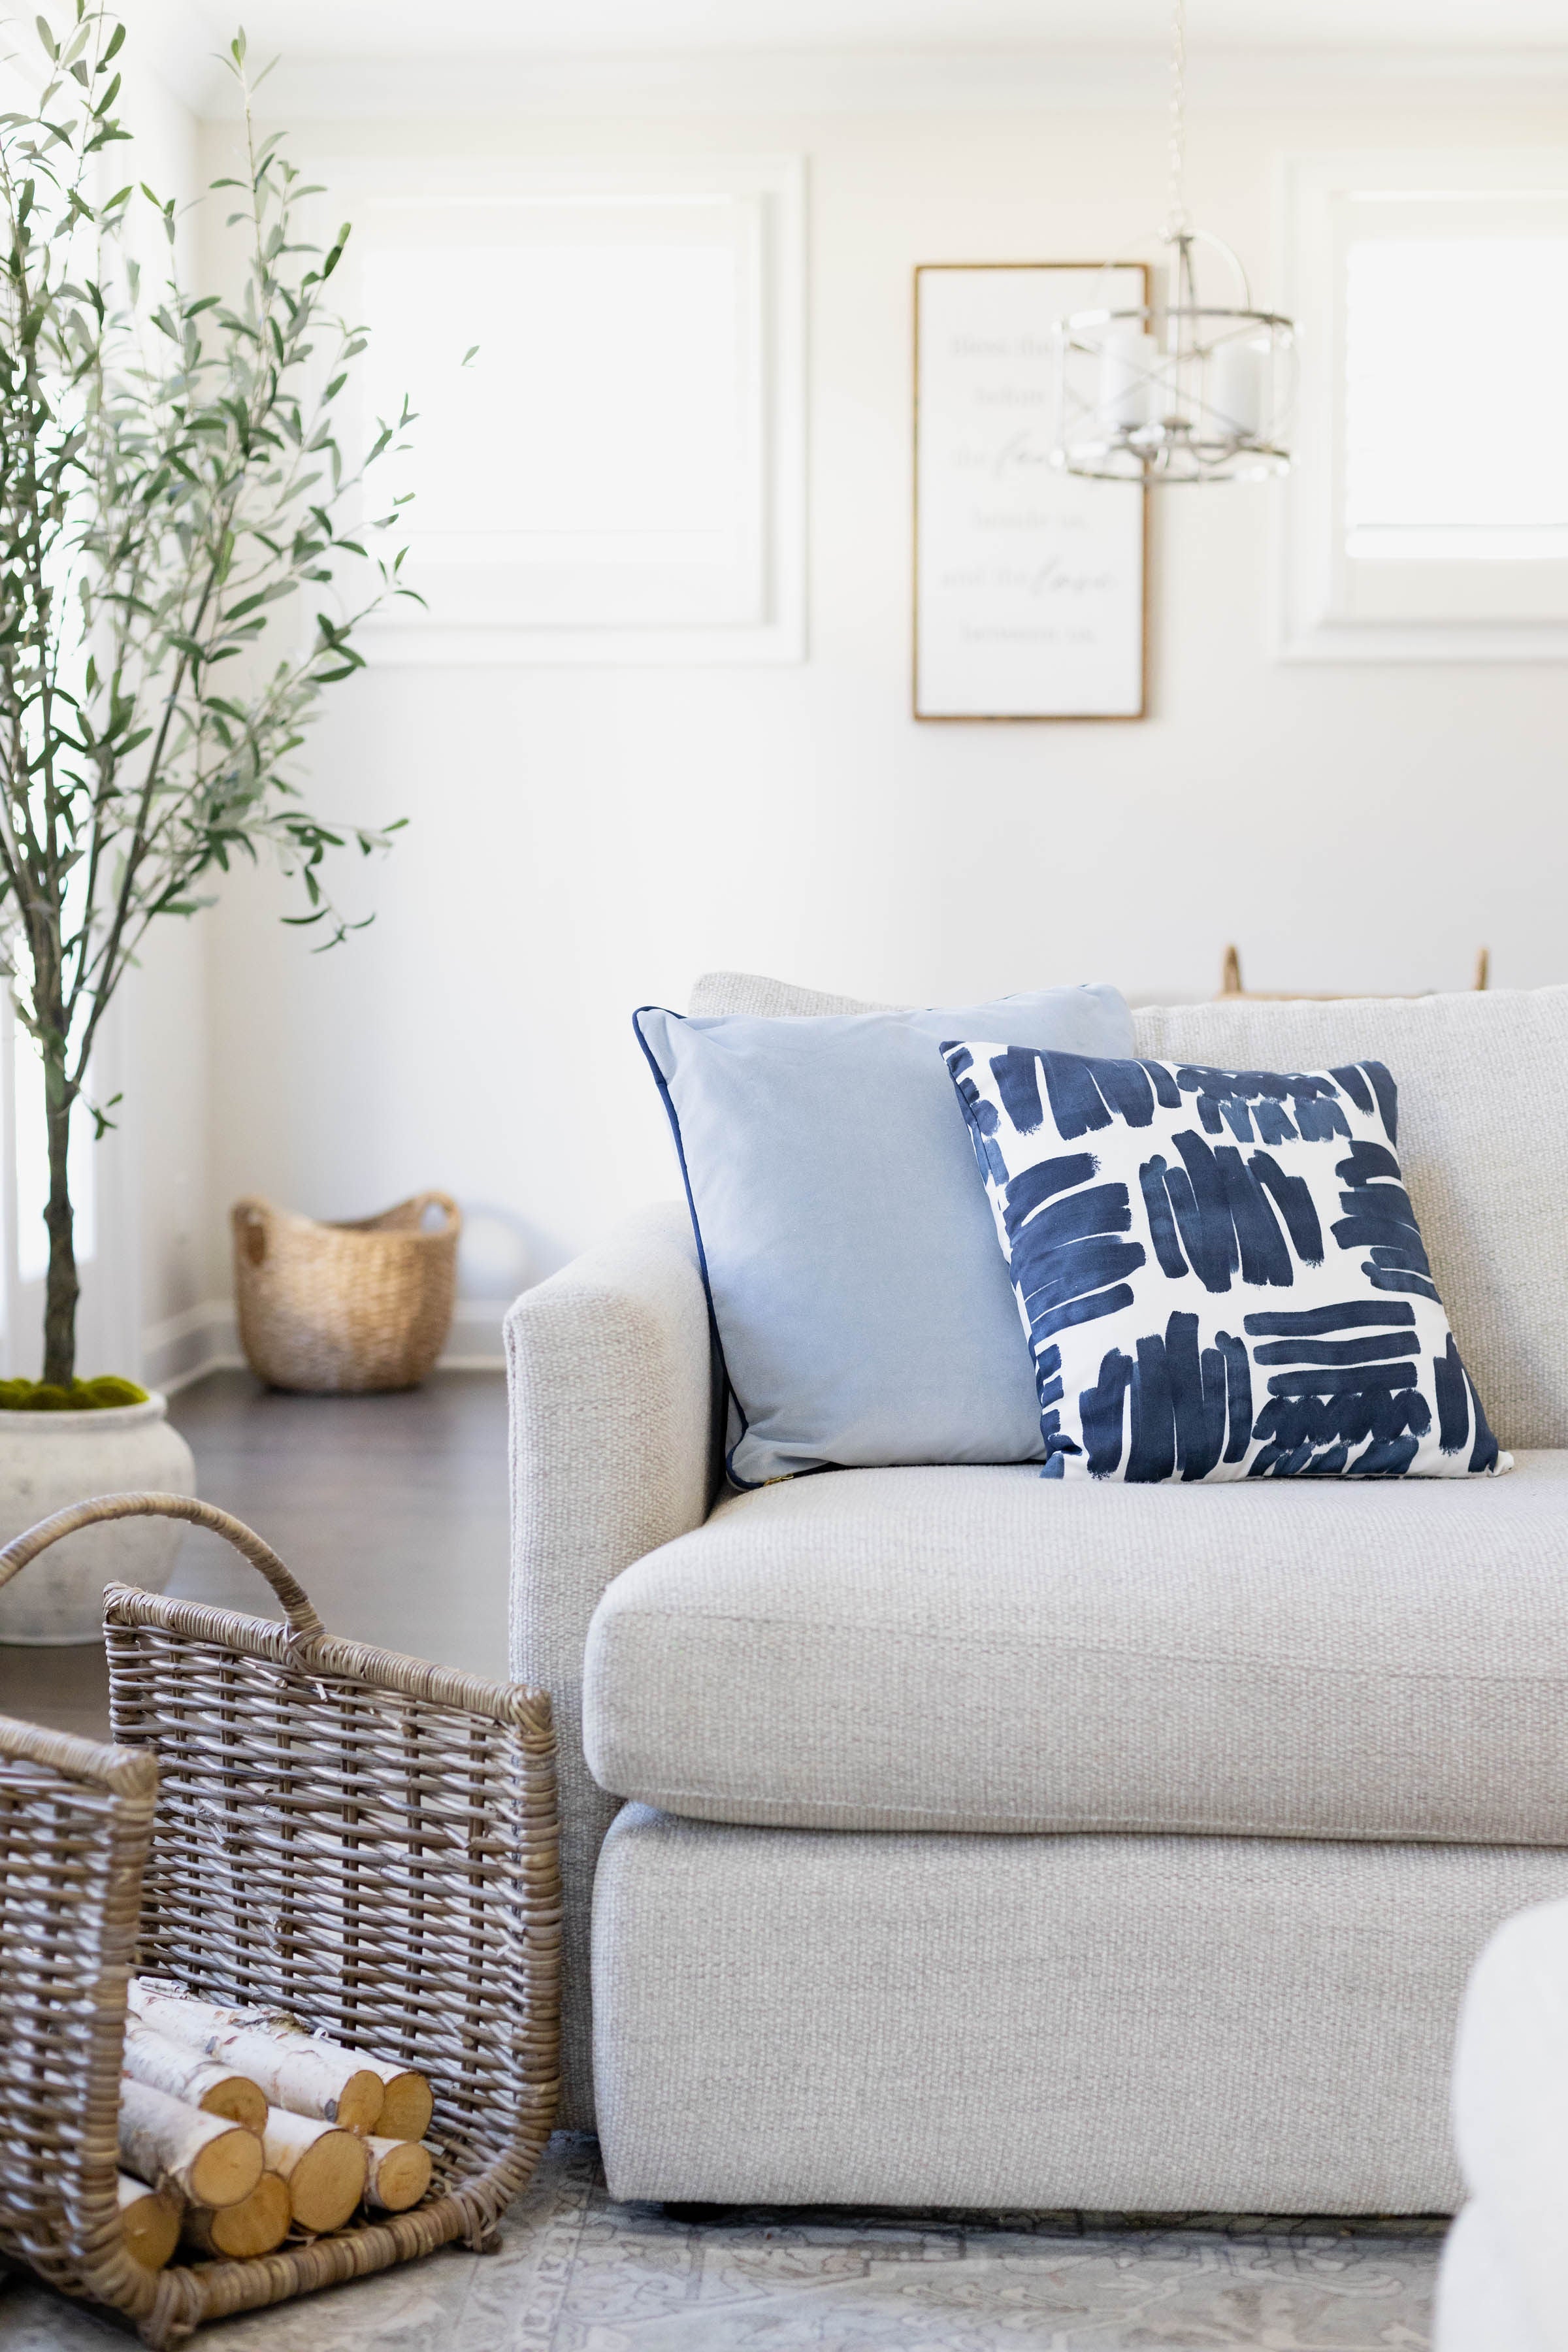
pixel 1030 586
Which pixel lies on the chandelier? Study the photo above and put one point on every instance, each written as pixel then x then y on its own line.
pixel 1199 391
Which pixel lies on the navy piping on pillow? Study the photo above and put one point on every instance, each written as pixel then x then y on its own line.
pixel 747 1486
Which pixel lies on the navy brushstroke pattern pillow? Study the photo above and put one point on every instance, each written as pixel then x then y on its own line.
pixel 1219 1271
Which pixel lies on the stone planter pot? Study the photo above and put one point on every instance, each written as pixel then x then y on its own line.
pixel 50 1459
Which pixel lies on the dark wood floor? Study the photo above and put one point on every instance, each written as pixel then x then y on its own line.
pixel 391 1510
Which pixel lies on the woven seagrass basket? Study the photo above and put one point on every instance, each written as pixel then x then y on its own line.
pixel 345 1307
pixel 284 1818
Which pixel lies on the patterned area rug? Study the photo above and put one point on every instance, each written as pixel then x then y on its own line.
pixel 577 2273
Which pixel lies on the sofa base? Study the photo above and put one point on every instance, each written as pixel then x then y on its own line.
pixel 1108 2023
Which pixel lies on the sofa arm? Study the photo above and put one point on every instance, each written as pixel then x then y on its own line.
pixel 613 1454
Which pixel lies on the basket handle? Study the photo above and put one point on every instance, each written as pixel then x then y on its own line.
pixel 246 1541
pixel 251 1221
pixel 423 1200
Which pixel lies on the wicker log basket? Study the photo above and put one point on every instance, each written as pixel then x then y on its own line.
pixel 284 1818
pixel 345 1307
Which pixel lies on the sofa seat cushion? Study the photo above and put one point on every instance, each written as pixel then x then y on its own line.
pixel 981 1649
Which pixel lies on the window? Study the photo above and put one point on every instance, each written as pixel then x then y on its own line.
pixel 617 473
pixel 1426 515
pixel 31 1140
pixel 108 1319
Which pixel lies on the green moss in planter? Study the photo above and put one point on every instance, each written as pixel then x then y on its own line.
pixel 82 1396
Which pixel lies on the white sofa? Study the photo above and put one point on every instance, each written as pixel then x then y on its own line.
pixel 1504 2281
pixel 958 1837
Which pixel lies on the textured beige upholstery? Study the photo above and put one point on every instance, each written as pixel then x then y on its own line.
pixel 607 1363
pixel 770 1000
pixel 985 1649
pixel 1146 2023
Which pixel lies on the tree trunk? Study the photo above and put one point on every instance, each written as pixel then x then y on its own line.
pixel 63 1290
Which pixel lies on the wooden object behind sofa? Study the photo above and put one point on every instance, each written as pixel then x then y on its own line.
pixel 1231 989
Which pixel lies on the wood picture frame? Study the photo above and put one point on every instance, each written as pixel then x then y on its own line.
pixel 1031 584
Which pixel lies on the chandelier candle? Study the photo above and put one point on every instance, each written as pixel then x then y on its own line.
pixel 1236 387
pixel 1126 374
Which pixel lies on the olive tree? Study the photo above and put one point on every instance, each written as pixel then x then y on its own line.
pixel 187 549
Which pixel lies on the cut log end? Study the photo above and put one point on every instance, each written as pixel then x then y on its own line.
pixel 240 2232
pixel 160 2064
pixel 227 2168
pixel 324 2165
pixel 359 2103
pixel 399 2174
pixel 149 2222
pixel 405 2109
pixel 328 2180
pixel 207 2159
pixel 240 2101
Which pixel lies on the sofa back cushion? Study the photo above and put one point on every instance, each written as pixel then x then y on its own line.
pixel 761 999
pixel 1483 1144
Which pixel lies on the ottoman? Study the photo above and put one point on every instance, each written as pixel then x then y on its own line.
pixel 1503 2285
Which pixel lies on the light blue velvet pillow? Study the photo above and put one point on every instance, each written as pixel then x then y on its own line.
pixel 860 1304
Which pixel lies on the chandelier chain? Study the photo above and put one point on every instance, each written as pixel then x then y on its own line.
pixel 1177 221
pixel 1185 382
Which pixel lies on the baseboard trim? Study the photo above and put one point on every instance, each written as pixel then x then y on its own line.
pixel 181 1347
pixel 476 1342
pixel 202 1339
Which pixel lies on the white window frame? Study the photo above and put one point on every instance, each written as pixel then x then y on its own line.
pixel 1313 621
pixel 403 636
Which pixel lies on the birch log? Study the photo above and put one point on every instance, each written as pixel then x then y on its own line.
pixel 150 2057
pixel 291 2067
pixel 149 2221
pixel 323 2166
pixel 239 2232
pixel 407 2103
pixel 209 2160
pixel 399 2173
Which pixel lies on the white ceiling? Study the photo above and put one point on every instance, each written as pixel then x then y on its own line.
pixel 642 28
pixel 349 56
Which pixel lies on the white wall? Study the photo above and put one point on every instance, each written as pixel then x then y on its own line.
pixel 582 841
